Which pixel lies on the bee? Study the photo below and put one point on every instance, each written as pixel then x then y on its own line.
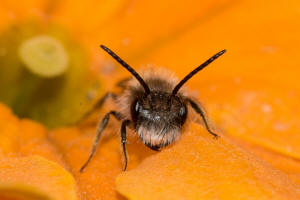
pixel 153 106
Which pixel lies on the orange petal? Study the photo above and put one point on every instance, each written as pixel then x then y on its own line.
pixel 200 167
pixel 89 16
pixel 34 177
pixel 11 10
pixel 286 164
pixel 134 33
pixel 24 137
pixel 33 140
pixel 9 131
pixel 261 39
pixel 98 179
pixel 256 111
pixel 261 61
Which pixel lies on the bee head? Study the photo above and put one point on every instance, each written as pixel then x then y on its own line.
pixel 158 118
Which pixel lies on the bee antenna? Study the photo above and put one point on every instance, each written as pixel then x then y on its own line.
pixel 195 71
pixel 130 69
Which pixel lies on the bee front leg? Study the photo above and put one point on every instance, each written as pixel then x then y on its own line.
pixel 201 113
pixel 123 140
pixel 101 127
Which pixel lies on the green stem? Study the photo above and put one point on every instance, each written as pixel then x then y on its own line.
pixel 29 84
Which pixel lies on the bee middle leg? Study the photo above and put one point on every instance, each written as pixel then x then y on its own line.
pixel 101 101
pixel 123 82
pixel 99 104
pixel 125 123
pixel 201 113
pixel 101 127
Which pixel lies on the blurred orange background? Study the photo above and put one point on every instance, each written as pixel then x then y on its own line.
pixel 251 95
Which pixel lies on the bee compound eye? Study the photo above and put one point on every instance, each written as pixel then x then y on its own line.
pixel 182 111
pixel 137 106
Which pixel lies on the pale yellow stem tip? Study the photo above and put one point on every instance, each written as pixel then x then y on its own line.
pixel 44 56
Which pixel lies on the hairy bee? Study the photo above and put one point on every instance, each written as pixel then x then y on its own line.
pixel 153 106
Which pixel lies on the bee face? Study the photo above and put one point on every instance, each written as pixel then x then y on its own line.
pixel 158 118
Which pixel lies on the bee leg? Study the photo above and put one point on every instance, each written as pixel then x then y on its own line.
pixel 123 83
pixel 201 113
pixel 101 101
pixel 99 104
pixel 101 127
pixel 123 141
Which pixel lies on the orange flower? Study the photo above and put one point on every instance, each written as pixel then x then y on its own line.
pixel 251 96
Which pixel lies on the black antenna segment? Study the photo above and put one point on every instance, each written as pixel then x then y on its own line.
pixel 195 71
pixel 125 65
